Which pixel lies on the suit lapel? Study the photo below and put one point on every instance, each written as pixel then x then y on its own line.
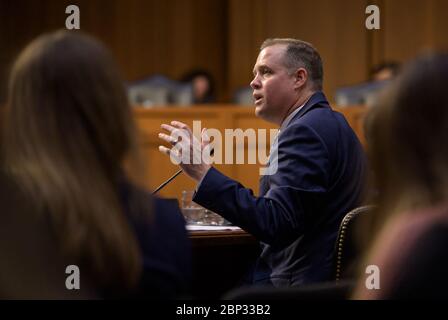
pixel 317 100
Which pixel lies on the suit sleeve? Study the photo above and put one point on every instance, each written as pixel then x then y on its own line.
pixel 296 190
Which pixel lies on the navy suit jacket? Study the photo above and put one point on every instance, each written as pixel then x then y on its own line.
pixel 320 177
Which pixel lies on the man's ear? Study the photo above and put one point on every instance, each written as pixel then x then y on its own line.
pixel 300 78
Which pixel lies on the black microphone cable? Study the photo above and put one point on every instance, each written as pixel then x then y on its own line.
pixel 173 177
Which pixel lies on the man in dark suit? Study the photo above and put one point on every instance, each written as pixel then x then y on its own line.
pixel 317 174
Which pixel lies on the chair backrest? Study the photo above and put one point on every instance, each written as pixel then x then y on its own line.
pixel 359 94
pixel 346 250
pixel 181 94
pixel 146 94
pixel 159 90
pixel 243 96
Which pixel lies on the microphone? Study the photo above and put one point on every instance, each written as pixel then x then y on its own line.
pixel 167 181
pixel 173 177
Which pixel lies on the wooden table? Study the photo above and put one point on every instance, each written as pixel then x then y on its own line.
pixel 221 238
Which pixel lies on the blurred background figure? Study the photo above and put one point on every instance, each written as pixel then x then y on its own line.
pixel 203 86
pixel 385 71
pixel 407 133
pixel 69 186
pixel 366 93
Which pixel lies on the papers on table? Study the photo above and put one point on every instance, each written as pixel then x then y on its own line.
pixel 191 227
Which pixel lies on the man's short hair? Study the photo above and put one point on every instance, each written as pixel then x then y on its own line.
pixel 300 54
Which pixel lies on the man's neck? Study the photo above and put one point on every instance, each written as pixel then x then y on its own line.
pixel 300 102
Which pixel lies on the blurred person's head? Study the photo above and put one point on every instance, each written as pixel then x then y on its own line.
pixel 385 71
pixel 407 134
pixel 287 72
pixel 203 86
pixel 68 132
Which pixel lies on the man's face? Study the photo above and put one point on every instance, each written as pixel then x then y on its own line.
pixel 273 87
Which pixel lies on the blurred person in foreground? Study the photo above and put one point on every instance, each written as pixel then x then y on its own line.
pixel 69 189
pixel 407 134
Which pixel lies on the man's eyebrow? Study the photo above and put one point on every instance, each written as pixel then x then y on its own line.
pixel 259 67
pixel 254 70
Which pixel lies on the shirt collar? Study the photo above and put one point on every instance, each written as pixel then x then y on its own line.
pixel 291 115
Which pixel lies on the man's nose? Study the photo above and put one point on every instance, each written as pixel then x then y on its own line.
pixel 255 83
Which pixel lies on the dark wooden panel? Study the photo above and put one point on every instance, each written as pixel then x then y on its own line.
pixel 146 36
pixel 410 27
pixel 336 28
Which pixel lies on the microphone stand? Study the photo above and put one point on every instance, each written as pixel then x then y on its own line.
pixel 167 181
pixel 174 176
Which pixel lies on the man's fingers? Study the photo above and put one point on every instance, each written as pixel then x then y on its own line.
pixel 179 129
pixel 204 137
pixel 168 138
pixel 167 127
pixel 169 151
pixel 180 125
pixel 172 153
pixel 175 125
pixel 165 150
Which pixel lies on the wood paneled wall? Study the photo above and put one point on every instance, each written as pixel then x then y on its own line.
pixel 174 36
pixel 168 37
pixel 336 28
pixel 410 27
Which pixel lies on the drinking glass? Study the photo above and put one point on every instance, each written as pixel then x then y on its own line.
pixel 193 213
